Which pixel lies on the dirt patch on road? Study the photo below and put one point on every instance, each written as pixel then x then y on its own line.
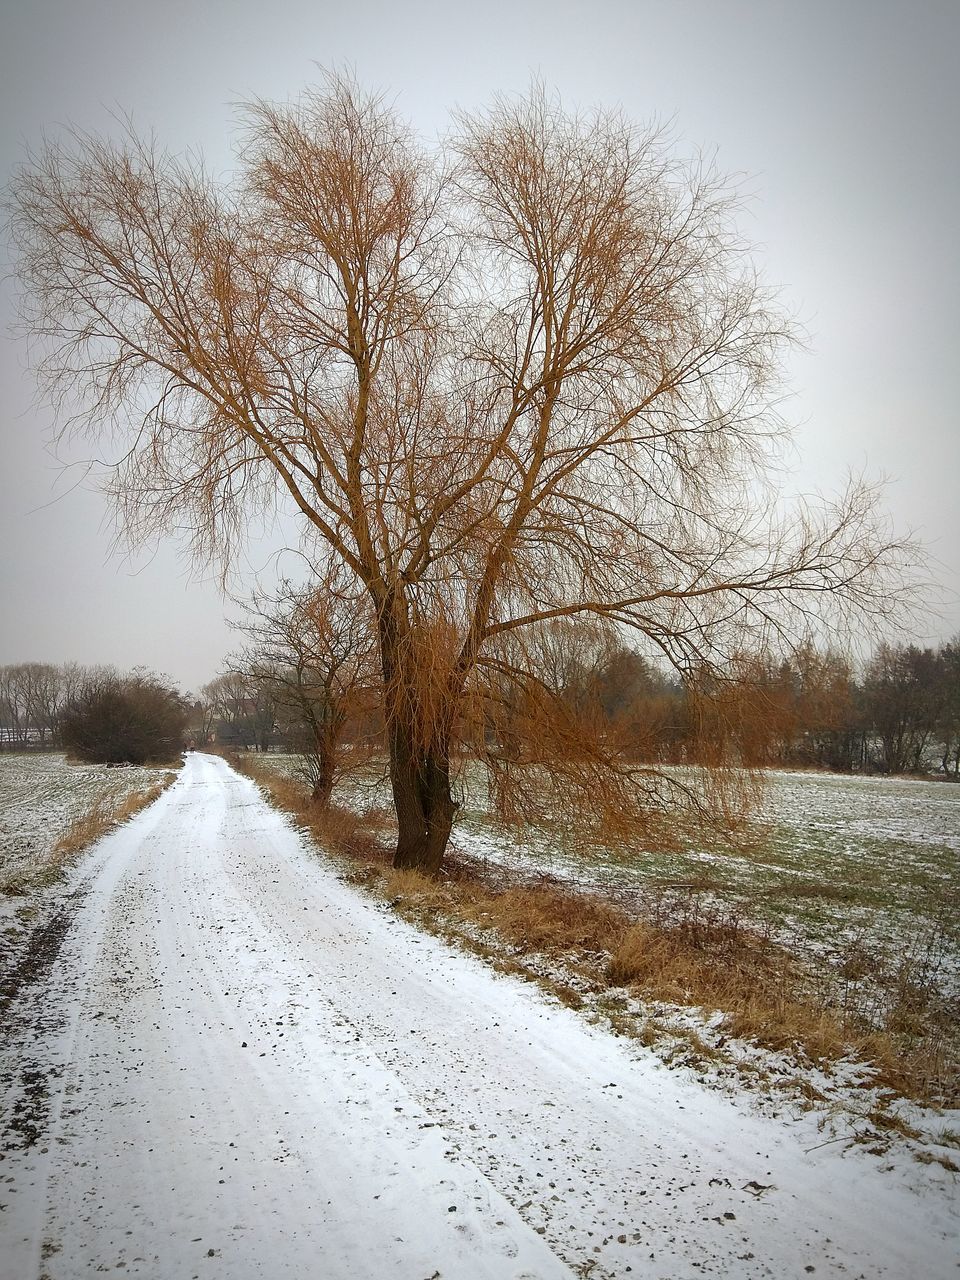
pixel 26 1016
pixel 34 957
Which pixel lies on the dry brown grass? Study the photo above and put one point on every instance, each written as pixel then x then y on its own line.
pixel 721 965
pixel 579 944
pixel 931 1157
pixel 106 812
pixel 82 831
pixel 550 919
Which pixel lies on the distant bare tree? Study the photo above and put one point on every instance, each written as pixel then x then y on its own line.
pixel 11 707
pixel 31 697
pixel 314 648
pixel 235 705
pixel 903 696
pixel 529 378
pixel 43 688
pixel 203 719
pixel 948 720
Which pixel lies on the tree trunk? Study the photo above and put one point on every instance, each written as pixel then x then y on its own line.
pixel 424 804
pixel 322 776
pixel 419 749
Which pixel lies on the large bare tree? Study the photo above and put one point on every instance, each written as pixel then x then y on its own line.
pixel 522 378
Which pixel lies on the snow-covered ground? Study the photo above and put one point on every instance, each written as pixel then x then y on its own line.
pixel 40 795
pixel 240 1067
pixel 835 866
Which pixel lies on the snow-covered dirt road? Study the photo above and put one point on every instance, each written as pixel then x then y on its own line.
pixel 240 1067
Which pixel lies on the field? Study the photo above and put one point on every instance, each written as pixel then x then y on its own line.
pixel 44 803
pixel 835 866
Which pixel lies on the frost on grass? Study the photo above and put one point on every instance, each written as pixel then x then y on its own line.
pixel 41 798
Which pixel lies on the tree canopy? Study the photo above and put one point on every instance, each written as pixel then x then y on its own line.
pixel 522 382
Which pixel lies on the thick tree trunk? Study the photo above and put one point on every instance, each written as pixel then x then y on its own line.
pixel 322 778
pixel 419 749
pixel 424 804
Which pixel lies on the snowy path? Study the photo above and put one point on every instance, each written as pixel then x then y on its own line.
pixel 260 1073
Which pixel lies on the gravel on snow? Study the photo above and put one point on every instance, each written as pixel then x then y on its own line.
pixel 241 1067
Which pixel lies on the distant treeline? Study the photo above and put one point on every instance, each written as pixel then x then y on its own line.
pixel 33 697
pixel 96 713
pixel 897 713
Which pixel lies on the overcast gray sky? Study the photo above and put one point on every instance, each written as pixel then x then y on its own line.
pixel 842 117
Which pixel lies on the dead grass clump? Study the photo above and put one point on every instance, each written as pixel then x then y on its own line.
pixel 888 1121
pixel 720 965
pixel 82 831
pixel 407 888
pixel 931 1157
pixel 924 1068
pixel 860 962
pixel 716 959
pixel 786 1023
pixel 910 1020
pixel 352 835
pixel 550 920
pixel 105 812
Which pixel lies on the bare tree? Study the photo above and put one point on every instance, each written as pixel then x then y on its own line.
pixel 233 702
pixel 526 378
pixel 949 718
pixel 314 648
pixel 203 719
pixel 12 710
pixel 903 695
pixel 32 695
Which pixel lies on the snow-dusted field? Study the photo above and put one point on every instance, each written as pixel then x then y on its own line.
pixel 40 795
pixel 240 1067
pixel 899 836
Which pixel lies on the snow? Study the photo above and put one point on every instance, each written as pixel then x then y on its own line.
pixel 40 795
pixel 251 1070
